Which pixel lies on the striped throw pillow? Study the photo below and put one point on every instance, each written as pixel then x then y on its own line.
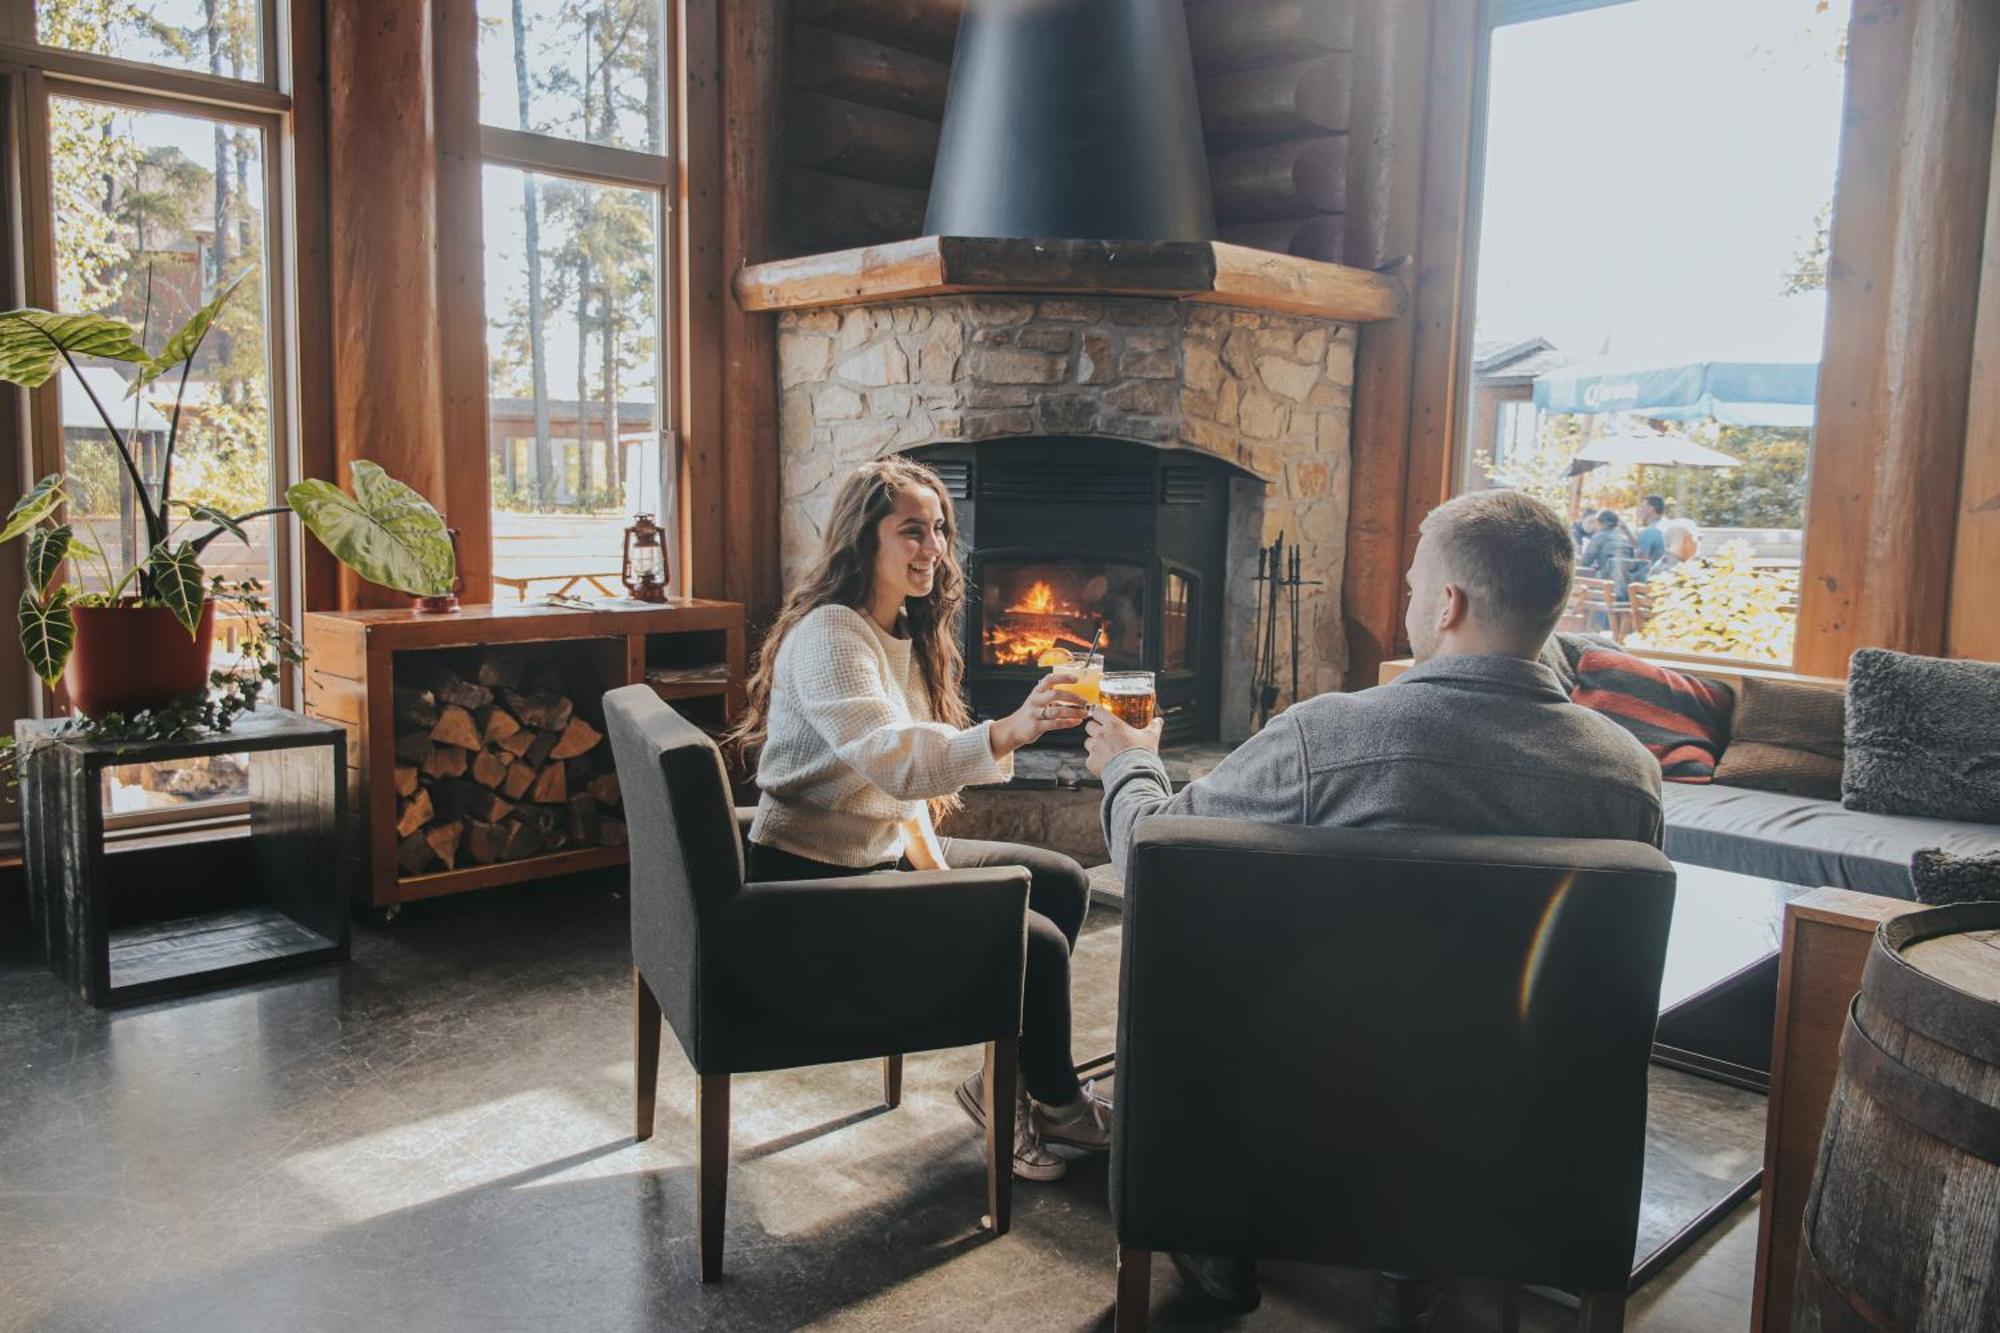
pixel 1682 719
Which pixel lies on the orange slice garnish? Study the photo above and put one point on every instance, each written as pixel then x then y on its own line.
pixel 1055 657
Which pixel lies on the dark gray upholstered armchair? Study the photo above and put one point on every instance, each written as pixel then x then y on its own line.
pixel 774 976
pixel 1412 1052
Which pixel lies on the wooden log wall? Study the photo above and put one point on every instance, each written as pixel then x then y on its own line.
pixel 866 92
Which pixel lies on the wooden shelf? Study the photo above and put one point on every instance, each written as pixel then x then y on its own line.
pixel 350 677
pixel 1212 272
pixel 508 872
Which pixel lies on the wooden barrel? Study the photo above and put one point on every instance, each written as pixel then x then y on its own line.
pixel 1902 1229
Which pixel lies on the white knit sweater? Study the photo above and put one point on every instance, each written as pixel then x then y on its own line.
pixel 851 748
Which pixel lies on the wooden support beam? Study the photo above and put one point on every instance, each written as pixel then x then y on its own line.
pixel 700 297
pixel 461 279
pixel 752 41
pixel 1208 271
pixel 1310 97
pixel 1292 179
pixel 1230 34
pixel 1973 625
pixel 841 65
pixel 1385 191
pixel 386 404
pixel 863 142
pixel 1903 289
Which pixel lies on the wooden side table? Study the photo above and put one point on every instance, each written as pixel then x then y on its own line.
pixel 1827 936
pixel 162 915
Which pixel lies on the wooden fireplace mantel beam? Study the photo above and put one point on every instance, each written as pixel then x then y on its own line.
pixel 1214 272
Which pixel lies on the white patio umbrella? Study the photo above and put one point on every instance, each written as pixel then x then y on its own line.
pixel 1647 451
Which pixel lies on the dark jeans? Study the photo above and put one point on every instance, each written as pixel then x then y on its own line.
pixel 1058 895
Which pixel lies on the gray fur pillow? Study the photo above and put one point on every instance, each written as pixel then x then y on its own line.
pixel 1943 879
pixel 1923 737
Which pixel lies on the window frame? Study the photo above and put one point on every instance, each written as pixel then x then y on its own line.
pixel 658 174
pixel 32 74
pixel 36 74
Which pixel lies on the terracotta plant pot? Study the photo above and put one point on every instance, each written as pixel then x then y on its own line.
pixel 128 658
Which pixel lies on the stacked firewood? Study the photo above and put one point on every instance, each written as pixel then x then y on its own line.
pixel 498 767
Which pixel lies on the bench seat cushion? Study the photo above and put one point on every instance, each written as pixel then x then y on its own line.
pixel 1799 840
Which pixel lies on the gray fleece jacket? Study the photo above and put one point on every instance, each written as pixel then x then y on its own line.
pixel 1457 744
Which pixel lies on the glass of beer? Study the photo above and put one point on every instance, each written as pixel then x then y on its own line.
pixel 1129 695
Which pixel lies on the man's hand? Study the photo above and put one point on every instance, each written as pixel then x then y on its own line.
pixel 1108 735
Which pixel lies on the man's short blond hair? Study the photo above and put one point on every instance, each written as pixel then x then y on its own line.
pixel 1510 552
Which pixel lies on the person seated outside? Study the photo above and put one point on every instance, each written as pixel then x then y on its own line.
pixel 1650 541
pixel 1605 554
pixel 1682 541
pixel 1478 737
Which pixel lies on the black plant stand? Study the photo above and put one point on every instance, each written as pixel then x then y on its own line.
pixel 167 914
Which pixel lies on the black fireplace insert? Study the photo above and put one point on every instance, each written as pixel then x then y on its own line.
pixel 1064 536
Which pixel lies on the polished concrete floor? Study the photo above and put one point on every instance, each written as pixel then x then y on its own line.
pixel 437 1136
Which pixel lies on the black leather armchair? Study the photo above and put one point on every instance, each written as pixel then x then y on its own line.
pixel 1414 1052
pixel 773 976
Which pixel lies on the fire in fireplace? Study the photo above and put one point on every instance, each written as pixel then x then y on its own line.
pixel 1027 607
pixel 1066 535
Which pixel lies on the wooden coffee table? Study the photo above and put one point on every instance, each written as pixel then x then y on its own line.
pixel 1712 1057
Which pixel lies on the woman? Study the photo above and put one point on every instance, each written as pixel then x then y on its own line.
pixel 857 721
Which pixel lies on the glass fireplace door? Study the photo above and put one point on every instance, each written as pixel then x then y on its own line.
pixel 1030 605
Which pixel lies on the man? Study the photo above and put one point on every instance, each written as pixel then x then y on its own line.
pixel 1477 737
pixel 1652 539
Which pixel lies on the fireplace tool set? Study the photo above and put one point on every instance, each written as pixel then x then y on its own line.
pixel 1280 571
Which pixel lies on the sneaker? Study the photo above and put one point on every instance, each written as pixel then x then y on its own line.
pixel 1032 1160
pixel 1085 1123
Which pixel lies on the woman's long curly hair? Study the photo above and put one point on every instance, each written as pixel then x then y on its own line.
pixel 843 574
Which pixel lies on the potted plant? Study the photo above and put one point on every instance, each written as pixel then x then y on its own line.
pixel 139 650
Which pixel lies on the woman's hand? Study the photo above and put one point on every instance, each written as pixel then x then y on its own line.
pixel 1048 708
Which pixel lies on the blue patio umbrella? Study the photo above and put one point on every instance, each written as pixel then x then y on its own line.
pixel 1735 393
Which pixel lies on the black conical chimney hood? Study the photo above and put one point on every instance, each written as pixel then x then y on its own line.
pixel 1075 120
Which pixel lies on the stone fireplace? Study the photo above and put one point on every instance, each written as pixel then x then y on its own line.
pixel 1131 454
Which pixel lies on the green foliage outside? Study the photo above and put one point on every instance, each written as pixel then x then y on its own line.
pixel 141 230
pixel 1767 491
pixel 590 72
pixel 1723 604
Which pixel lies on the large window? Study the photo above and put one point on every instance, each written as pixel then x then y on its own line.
pixel 572 96
pixel 1650 258
pixel 151 156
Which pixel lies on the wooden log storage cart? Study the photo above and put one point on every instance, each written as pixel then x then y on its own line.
pixel 476 752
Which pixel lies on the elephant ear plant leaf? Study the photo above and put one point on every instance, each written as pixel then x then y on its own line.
pixel 47 633
pixel 32 340
pixel 33 507
pixel 47 549
pixel 177 582
pixel 385 532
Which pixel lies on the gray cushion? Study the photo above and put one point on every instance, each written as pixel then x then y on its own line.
pixel 1923 736
pixel 1799 840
